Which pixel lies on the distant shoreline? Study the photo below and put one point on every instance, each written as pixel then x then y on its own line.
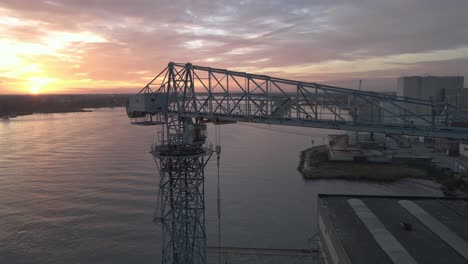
pixel 22 105
pixel 47 112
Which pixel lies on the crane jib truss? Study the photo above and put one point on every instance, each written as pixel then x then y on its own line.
pixel 237 96
pixel 183 97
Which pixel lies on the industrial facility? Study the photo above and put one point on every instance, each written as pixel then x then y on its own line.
pixel 393 229
pixel 437 89
pixel 184 97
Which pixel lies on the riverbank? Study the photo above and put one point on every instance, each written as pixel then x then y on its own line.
pixel 315 164
pixel 50 111
pixel 363 172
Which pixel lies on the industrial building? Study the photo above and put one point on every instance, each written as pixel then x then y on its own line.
pixel 429 87
pixel 393 229
pixel 434 88
pixel 439 89
pixel 357 146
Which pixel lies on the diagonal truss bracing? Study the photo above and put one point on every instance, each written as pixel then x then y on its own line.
pixel 237 96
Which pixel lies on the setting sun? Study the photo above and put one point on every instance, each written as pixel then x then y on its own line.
pixel 34 90
pixel 40 84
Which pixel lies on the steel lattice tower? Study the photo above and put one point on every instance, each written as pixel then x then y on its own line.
pixel 182 204
pixel 181 160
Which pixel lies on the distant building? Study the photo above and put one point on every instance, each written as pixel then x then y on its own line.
pixel 369 113
pixel 357 146
pixel 457 98
pixel 433 88
pixel 429 87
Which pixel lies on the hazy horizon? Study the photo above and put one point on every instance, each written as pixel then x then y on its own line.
pixel 379 85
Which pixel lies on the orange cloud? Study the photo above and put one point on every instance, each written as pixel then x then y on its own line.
pixel 70 46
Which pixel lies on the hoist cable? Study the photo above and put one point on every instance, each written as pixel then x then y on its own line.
pixel 218 157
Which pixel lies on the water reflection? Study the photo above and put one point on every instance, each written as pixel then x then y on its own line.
pixel 80 188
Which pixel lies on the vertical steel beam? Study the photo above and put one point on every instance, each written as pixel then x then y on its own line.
pixel 181 169
pixel 210 101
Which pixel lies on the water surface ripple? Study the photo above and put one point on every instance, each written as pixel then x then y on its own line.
pixel 81 188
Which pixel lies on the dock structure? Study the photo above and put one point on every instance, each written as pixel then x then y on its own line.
pixel 393 229
pixel 262 251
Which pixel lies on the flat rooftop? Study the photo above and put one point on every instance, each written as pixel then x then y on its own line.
pixel 393 229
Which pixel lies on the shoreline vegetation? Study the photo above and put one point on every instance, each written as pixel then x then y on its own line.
pixel 21 105
pixel 321 168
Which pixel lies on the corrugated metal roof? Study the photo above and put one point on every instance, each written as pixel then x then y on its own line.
pixel 439 232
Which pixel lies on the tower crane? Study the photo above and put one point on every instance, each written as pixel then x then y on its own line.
pixel 184 97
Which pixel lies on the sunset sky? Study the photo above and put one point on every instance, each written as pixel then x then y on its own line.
pixel 116 46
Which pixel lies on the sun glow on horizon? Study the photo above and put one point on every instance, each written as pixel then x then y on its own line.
pixel 34 90
pixel 41 63
pixel 37 84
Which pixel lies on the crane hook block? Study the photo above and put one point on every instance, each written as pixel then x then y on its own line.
pixel 218 149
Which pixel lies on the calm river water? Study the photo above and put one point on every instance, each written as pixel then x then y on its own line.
pixel 81 188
